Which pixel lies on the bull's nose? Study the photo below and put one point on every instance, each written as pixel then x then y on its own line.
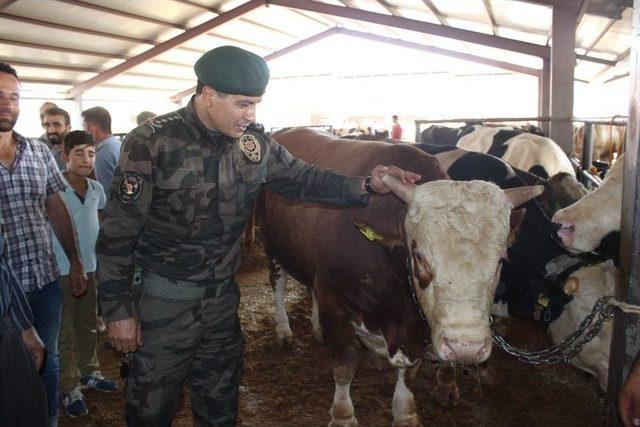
pixel 465 350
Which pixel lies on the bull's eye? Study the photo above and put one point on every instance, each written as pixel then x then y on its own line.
pixel 419 256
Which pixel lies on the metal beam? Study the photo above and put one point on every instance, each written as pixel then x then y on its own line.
pixel 492 18
pixel 440 51
pixel 418 26
pixel 596 60
pixel 248 21
pixel 75 29
pixel 63 49
pixel 617 77
pixel 619 58
pixel 626 328
pixel 435 11
pixel 164 46
pixel 600 36
pixel 124 14
pixel 544 93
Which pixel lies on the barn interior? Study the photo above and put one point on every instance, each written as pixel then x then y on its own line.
pixel 351 64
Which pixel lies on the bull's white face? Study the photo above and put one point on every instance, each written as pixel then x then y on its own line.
pixel 458 233
pixel 584 224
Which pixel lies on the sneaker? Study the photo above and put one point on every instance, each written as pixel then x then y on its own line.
pixel 74 403
pixel 99 382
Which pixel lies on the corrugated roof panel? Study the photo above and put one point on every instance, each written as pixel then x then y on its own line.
pixel 147 82
pixel 172 11
pixel 589 28
pixel 418 14
pixel 28 54
pixel 15 30
pixel 471 10
pixel 90 19
pixel 285 19
pixel 618 38
pixel 371 6
pixel 209 41
pixel 479 27
pixel 179 57
pixel 162 69
pixel 524 36
pixel 47 74
pixel 586 70
pixel 522 15
pixel 242 30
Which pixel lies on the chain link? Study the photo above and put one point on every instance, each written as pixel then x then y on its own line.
pixel 565 350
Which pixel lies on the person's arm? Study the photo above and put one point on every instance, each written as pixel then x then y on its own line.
pixel 20 313
pixel 125 213
pixel 629 398
pixel 65 230
pixel 294 178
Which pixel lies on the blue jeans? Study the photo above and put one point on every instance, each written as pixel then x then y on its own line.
pixel 46 304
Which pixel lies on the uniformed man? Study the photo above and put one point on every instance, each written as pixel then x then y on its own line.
pixel 183 191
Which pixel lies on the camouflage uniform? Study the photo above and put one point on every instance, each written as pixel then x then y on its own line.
pixel 177 207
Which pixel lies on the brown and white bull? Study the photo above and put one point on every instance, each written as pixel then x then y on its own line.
pixel 596 217
pixel 436 247
pixel 608 141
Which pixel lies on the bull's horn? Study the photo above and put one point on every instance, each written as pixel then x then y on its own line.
pixel 571 285
pixel 403 191
pixel 521 195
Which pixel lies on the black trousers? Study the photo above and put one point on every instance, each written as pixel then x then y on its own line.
pixel 23 402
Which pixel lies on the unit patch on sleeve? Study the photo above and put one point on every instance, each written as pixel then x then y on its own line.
pixel 130 187
pixel 250 147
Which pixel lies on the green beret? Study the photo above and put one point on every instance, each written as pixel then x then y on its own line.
pixel 232 70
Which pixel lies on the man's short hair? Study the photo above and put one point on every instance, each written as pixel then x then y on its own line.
pixel 394 117
pixel 199 86
pixel 6 68
pixel 144 116
pixel 75 138
pixel 99 116
pixel 57 111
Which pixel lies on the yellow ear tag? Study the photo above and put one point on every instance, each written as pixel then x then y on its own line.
pixel 370 233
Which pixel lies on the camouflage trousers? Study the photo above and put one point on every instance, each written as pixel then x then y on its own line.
pixel 199 341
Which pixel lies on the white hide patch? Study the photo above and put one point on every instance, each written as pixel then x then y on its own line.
pixel 400 360
pixel 375 343
pixel 447 158
pixel 594 281
pixel 523 151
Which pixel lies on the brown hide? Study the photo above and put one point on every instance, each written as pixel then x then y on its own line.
pixel 319 245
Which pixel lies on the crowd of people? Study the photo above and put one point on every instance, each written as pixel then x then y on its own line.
pixel 153 226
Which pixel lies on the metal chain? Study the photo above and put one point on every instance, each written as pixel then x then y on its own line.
pixel 565 350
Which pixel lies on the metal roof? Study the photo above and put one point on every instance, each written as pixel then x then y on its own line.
pixel 85 47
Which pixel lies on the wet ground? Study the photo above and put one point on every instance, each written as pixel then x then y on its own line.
pixel 293 387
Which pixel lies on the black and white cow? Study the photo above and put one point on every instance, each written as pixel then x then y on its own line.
pixel 525 151
pixel 536 265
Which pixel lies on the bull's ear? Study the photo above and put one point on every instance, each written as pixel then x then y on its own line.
pixel 514 224
pixel 521 195
pixel 370 233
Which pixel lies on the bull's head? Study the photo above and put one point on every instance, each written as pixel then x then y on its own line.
pixel 458 233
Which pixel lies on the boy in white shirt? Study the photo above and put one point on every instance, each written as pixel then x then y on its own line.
pixel 85 198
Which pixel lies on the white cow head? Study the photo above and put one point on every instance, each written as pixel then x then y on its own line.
pixel 584 224
pixel 457 233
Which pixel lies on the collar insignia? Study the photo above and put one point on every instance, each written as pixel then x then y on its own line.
pixel 250 147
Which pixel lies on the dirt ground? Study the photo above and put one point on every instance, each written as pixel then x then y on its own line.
pixel 293 387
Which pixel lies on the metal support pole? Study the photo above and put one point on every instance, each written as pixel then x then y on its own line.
pixel 544 94
pixel 626 334
pixel 587 150
pixel 563 60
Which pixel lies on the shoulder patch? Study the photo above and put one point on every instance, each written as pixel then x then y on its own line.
pixel 250 147
pixel 130 187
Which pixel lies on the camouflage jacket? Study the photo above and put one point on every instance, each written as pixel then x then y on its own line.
pixel 182 195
